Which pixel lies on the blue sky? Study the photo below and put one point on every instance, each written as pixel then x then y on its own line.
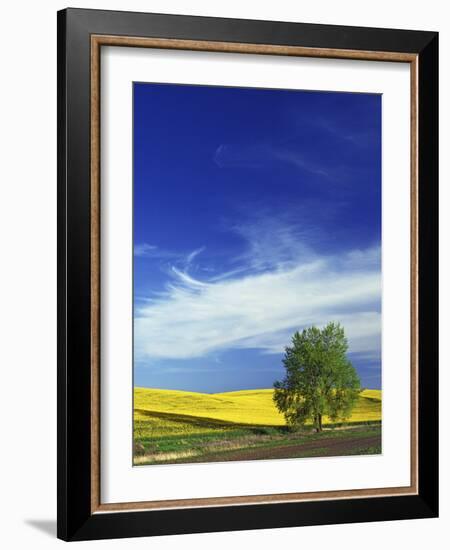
pixel 256 213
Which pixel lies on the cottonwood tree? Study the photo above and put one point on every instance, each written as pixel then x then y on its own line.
pixel 319 380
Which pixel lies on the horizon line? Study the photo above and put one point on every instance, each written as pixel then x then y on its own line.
pixel 227 391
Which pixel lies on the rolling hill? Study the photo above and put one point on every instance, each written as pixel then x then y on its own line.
pixel 179 426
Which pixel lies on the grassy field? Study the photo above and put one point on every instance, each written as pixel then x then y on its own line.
pixel 176 426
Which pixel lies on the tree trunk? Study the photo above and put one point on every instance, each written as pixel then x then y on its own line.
pixel 318 422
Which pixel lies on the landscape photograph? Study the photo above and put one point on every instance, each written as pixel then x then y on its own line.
pixel 257 276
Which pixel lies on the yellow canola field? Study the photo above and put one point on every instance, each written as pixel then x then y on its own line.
pixel 164 412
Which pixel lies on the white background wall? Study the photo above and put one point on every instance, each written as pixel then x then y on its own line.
pixel 28 271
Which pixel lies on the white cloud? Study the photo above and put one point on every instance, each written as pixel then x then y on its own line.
pixel 294 288
pixel 191 257
pixel 244 155
pixel 274 243
pixel 144 249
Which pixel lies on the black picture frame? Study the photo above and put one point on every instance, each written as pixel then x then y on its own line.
pixel 75 518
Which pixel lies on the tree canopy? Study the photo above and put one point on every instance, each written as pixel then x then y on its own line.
pixel 319 380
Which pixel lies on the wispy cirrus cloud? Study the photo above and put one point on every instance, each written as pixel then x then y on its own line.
pixel 273 242
pixel 359 137
pixel 234 155
pixel 279 285
pixel 192 255
pixel 143 250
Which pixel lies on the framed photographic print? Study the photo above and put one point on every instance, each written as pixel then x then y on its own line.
pixel 247 253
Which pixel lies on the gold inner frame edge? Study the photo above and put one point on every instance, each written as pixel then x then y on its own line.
pixel 97 41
